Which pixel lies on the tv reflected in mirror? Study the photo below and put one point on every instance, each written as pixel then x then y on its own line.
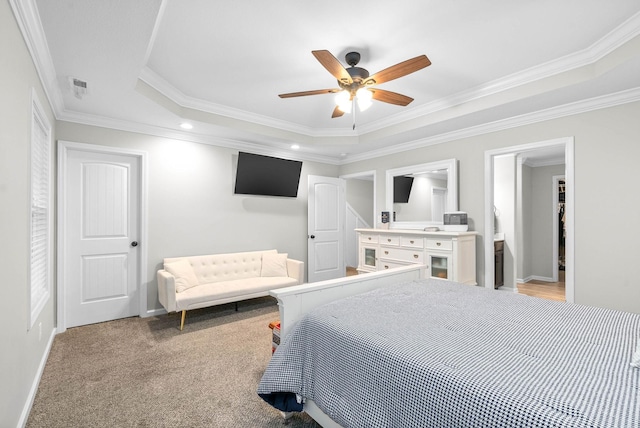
pixel 402 189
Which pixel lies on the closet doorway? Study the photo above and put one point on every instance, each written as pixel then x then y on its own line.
pixel 559 227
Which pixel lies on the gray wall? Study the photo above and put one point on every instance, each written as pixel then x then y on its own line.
pixel 191 206
pixel 541 241
pixel 523 223
pixel 359 195
pixel 607 143
pixel 23 351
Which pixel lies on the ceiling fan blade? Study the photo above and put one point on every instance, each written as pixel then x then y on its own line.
pixel 390 97
pixel 399 70
pixel 337 112
pixel 333 66
pixel 305 93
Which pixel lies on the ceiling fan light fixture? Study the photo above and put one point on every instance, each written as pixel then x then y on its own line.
pixel 343 101
pixel 364 97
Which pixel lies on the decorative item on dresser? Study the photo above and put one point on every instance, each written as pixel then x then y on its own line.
pixel 446 255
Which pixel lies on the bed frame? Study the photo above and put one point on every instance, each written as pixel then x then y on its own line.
pixel 295 301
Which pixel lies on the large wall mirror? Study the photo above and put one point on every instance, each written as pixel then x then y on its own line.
pixel 419 195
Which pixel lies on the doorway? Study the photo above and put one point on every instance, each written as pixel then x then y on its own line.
pixel 567 146
pixel 360 212
pixel 101 234
pixel 559 222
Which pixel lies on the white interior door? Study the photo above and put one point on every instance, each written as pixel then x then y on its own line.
pixel 101 254
pixel 326 219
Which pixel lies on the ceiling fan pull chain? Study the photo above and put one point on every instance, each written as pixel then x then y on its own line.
pixel 353 109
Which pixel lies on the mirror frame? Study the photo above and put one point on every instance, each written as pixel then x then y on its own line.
pixel 451 165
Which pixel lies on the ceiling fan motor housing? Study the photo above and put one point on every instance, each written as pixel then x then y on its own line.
pixel 352 58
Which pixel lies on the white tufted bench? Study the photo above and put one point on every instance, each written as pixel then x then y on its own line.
pixel 199 281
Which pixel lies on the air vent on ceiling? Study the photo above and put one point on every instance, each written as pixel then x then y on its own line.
pixel 79 87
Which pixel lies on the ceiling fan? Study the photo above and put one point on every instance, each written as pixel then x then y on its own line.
pixel 355 83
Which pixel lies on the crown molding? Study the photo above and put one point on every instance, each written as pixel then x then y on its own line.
pixel 536 164
pixel 165 88
pixel 597 103
pixel 282 150
pixel 606 101
pixel 28 19
pixel 607 44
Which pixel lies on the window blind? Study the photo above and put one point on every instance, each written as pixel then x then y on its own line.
pixel 40 263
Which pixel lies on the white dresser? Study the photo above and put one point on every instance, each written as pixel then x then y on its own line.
pixel 446 255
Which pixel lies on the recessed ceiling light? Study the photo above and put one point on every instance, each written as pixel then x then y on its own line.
pixel 185 125
pixel 295 146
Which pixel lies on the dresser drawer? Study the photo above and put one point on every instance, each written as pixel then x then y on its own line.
pixel 387 264
pixel 439 244
pixel 389 240
pixel 411 241
pixel 407 255
pixel 365 237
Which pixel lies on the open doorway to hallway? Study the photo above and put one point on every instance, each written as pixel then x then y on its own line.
pixel 519 210
pixel 552 288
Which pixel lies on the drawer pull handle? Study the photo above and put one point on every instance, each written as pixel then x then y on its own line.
pixel 438 243
pixel 386 267
pixel 388 239
pixel 369 238
pixel 415 256
pixel 386 252
pixel 411 242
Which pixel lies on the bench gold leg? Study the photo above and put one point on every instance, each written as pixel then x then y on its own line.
pixel 184 313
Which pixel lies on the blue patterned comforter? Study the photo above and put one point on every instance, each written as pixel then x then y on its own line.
pixel 435 353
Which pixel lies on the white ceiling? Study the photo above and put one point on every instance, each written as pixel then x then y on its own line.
pixel 150 64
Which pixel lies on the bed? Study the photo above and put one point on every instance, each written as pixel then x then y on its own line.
pixel 395 350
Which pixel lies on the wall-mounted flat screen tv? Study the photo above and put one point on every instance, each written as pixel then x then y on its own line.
pixel 266 175
pixel 402 189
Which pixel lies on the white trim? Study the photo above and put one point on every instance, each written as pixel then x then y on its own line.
pixel 568 143
pixel 584 106
pixel 28 19
pixel 597 103
pixel 284 151
pixel 535 278
pixel 31 396
pixel 63 148
pixel 569 199
pixel 154 33
pixel 154 312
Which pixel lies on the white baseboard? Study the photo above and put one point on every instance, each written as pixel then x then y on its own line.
pixel 535 278
pixel 24 416
pixel 154 313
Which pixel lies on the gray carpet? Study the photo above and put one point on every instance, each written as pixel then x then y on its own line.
pixel 145 372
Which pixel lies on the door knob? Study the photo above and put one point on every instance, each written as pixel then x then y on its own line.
pixel 134 244
pixel 312 236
